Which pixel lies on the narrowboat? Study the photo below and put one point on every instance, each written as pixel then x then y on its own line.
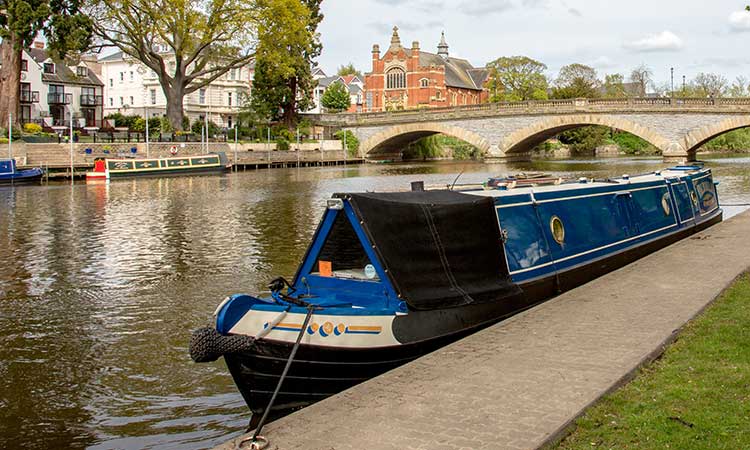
pixel 10 174
pixel 389 277
pixel 107 168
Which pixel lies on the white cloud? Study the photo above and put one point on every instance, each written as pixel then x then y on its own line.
pixel 666 41
pixel 740 21
pixel 603 62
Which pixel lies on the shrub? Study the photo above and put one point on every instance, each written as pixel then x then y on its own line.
pixel 32 128
pixel 282 144
pixel 352 143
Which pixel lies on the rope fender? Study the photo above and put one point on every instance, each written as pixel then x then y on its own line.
pixel 208 345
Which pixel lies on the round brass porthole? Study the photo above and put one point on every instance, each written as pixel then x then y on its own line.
pixel 665 204
pixel 694 197
pixel 558 229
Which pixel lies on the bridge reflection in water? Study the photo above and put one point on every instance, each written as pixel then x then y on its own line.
pixel 508 131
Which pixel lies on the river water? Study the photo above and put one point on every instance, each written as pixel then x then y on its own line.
pixel 101 285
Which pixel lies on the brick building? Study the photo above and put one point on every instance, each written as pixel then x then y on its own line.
pixel 411 78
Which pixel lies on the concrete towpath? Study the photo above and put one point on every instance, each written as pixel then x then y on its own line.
pixel 521 383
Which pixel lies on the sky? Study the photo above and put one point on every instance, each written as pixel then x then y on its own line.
pixel 691 36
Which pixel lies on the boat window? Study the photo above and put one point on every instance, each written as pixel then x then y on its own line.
pixel 558 230
pixel 343 255
pixel 665 204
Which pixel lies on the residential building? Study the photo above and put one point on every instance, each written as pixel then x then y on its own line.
pixel 53 91
pixel 132 88
pixel 405 78
pixel 352 82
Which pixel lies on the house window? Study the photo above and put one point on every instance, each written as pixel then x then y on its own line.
pixel 111 101
pixel 131 100
pixel 229 98
pixel 81 71
pixel 153 96
pixel 111 82
pixel 229 122
pixel 396 78
pixel 438 95
pixel 424 82
pixel 232 74
pixel 122 102
pixel 202 96
pixel 49 68
pixel 24 65
pixel 122 77
pixel 131 75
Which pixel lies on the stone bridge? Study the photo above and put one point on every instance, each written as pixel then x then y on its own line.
pixel 678 127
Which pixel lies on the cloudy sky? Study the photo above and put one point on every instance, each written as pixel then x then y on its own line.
pixel 690 35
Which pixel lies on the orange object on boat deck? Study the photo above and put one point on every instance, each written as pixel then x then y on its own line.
pixel 325 268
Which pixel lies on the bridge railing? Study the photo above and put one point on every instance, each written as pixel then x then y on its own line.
pixel 531 107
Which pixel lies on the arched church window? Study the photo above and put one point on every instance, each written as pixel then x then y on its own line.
pixel 395 78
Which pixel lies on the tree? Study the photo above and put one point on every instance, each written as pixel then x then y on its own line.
pixel 348 69
pixel 641 76
pixel 710 85
pixel 21 21
pixel 739 88
pixel 614 86
pixel 336 98
pixel 517 78
pixel 577 81
pixel 187 43
pixel 288 42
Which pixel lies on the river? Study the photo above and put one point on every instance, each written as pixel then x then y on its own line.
pixel 101 285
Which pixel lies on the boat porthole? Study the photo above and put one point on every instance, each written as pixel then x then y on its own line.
pixel 665 204
pixel 558 230
pixel 694 197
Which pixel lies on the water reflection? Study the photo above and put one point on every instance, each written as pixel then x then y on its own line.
pixel 101 285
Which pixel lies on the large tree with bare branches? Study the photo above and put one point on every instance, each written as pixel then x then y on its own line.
pixel 21 21
pixel 187 43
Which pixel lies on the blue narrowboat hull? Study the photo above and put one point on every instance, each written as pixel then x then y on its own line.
pixel 551 239
pixel 22 176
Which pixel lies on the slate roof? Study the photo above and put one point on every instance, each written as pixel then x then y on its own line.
pixel 327 81
pixel 458 72
pixel 63 74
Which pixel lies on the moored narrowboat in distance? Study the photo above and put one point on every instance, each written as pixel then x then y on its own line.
pixel 10 174
pixel 177 165
pixel 389 277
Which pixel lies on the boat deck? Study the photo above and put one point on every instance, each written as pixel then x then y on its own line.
pixel 520 384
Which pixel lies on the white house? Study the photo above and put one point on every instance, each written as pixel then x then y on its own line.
pixel 132 88
pixel 51 91
pixel 352 82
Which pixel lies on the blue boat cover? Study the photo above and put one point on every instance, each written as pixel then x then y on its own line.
pixel 440 248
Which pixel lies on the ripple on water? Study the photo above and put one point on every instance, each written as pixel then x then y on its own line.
pixel 101 285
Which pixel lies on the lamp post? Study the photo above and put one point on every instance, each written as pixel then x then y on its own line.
pixel 147 133
pixel 671 75
pixel 235 147
pixel 10 136
pixel 72 173
pixel 683 85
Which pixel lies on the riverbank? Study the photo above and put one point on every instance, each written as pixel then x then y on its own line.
pixel 696 396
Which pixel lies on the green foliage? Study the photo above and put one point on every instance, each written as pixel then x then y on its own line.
pixel 336 98
pixel 206 39
pixel 576 81
pixel 734 140
pixel 440 145
pixel 585 139
pixel 198 125
pixel 352 143
pixel 614 86
pixel 122 120
pixel 282 144
pixel 632 144
pixel 348 69
pixel 694 397
pixel 516 78
pixel 283 83
pixel 32 128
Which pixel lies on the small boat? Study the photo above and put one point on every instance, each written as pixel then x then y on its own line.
pixel 10 174
pixel 389 277
pixel 106 168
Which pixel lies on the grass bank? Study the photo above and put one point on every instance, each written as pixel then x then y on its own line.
pixel 696 396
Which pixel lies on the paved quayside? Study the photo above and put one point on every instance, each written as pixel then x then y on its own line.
pixel 520 384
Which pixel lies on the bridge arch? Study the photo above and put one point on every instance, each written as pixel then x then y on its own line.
pixel 696 138
pixel 525 139
pixel 396 138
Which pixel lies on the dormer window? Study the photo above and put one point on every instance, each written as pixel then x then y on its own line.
pixel 24 65
pixel 82 71
pixel 424 82
pixel 49 68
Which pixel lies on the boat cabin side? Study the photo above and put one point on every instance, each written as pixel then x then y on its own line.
pixel 558 228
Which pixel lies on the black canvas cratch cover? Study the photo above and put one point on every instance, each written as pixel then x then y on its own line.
pixel 441 248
